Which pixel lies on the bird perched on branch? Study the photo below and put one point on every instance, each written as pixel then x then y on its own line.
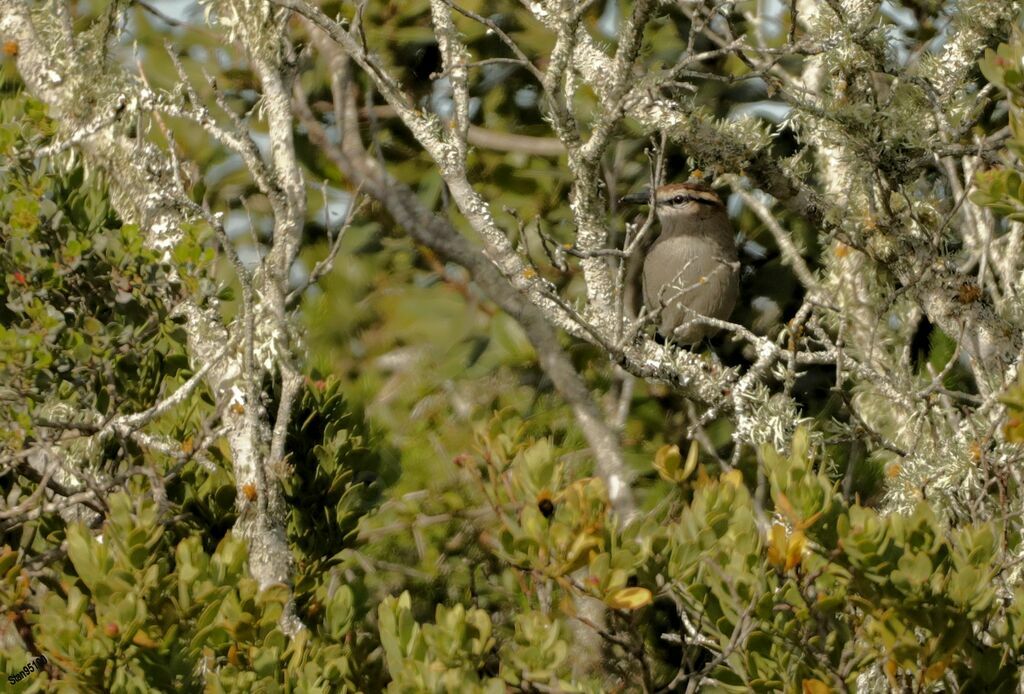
pixel 692 269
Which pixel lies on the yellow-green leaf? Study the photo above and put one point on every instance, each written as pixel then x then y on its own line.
pixel 813 686
pixel 733 477
pixel 629 598
pixel 691 460
pixel 667 461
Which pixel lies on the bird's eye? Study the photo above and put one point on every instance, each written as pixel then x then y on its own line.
pixel 678 200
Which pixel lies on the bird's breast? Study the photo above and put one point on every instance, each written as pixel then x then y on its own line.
pixel 684 276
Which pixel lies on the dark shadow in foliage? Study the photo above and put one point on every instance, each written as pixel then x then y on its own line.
pixel 338 474
pixel 206 497
pixel 931 349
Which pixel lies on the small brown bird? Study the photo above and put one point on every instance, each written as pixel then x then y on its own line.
pixel 692 269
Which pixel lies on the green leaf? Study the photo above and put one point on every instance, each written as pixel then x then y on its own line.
pixel 340 613
pixel 89 557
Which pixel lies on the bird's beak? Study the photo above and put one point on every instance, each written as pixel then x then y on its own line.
pixel 641 197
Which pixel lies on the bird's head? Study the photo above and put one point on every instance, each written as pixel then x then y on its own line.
pixel 679 201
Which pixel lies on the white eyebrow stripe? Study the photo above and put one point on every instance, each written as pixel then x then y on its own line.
pixel 691 197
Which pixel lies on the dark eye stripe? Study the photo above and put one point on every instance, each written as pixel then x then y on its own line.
pixel 683 199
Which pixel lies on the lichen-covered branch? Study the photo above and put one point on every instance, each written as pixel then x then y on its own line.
pixel 146 190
